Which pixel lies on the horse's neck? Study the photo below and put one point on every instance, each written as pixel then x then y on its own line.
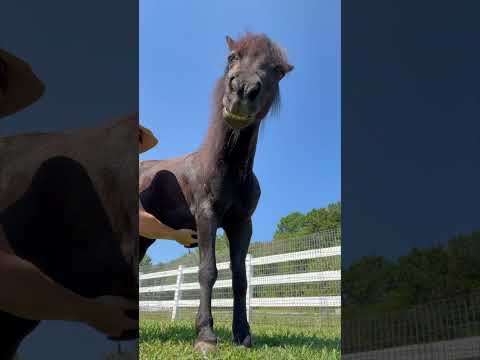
pixel 227 151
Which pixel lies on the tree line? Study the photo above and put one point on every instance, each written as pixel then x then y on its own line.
pixel 375 284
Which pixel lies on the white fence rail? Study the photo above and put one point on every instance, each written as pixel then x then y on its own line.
pixel 307 277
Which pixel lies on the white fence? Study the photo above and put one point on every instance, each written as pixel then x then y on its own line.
pixel 276 302
pixel 442 329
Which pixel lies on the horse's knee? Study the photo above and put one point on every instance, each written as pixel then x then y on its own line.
pixel 207 275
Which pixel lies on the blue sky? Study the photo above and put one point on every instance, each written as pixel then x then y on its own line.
pixel 183 52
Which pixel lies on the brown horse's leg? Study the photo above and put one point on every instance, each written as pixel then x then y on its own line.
pixel 239 235
pixel 207 275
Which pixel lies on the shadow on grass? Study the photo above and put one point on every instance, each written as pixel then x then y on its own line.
pixel 164 333
pixel 269 336
pixel 295 340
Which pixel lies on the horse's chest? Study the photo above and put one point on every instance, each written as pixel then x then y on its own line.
pixel 230 197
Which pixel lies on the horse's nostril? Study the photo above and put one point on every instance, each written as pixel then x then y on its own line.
pixel 230 82
pixel 253 91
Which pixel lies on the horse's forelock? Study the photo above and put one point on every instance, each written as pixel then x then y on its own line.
pixel 261 43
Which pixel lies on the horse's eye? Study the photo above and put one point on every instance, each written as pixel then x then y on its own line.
pixel 233 57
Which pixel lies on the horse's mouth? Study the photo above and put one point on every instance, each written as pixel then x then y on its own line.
pixel 237 121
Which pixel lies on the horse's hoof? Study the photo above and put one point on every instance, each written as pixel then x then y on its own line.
pixel 205 347
pixel 246 342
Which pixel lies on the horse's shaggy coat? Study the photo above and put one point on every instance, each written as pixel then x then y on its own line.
pixel 215 186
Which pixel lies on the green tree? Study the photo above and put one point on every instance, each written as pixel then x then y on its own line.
pixel 368 280
pixel 297 224
pixel 317 220
pixel 291 224
pixel 463 262
pixel 373 284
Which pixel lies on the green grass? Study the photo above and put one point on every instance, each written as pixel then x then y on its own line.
pixel 165 340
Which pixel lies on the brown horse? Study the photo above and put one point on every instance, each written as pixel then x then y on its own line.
pixel 68 204
pixel 215 187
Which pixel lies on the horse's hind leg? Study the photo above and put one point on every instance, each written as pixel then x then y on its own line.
pixel 207 275
pixel 239 235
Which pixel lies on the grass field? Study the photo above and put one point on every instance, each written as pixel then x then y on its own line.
pixel 165 340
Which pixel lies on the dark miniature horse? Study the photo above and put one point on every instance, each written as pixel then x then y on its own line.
pixel 215 186
pixel 68 204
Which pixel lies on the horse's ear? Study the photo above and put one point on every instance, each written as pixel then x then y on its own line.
pixel 230 43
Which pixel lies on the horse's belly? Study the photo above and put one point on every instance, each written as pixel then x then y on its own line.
pixel 165 200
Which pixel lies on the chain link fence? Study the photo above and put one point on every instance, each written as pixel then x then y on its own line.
pixel 448 328
pixel 293 281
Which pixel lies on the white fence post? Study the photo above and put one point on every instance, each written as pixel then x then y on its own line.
pixel 249 271
pixel 178 293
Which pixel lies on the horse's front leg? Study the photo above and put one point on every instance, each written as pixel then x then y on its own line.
pixel 239 235
pixel 207 275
